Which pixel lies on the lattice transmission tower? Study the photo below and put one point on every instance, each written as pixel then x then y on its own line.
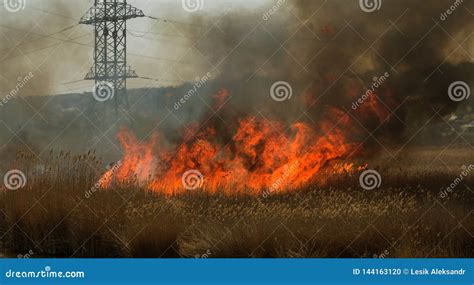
pixel 110 70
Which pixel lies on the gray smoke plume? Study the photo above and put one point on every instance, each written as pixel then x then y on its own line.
pixel 330 52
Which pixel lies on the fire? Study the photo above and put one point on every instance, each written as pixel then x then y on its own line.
pixel 348 168
pixel 262 156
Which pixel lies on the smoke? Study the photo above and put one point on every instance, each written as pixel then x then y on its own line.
pixel 333 52
pixel 30 42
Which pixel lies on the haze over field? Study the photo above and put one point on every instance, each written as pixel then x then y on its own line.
pixel 176 52
pixel 67 57
pixel 324 128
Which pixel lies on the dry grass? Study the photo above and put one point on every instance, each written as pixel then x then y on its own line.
pixel 406 217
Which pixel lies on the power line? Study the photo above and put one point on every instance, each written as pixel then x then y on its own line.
pixel 50 46
pixel 65 29
pixel 154 18
pixel 151 17
pixel 69 41
pixel 89 46
pixel 139 77
pixel 53 13
pixel 160 80
pixel 156 58
pixel 90 87
pixel 42 36
pixel 160 34
pixel 174 22
pixel 70 82
pixel 163 41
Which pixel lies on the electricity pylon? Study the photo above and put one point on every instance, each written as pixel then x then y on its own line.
pixel 110 70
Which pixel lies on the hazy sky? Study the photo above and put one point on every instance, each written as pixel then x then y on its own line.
pixel 174 51
pixel 164 52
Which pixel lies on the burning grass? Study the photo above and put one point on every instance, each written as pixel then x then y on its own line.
pixel 259 153
pixel 406 217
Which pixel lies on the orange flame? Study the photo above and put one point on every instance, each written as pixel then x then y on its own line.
pixel 263 156
pixel 260 155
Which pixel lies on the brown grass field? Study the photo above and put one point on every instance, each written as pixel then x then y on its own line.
pixel 405 217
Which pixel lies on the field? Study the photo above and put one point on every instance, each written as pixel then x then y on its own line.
pixel 59 213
